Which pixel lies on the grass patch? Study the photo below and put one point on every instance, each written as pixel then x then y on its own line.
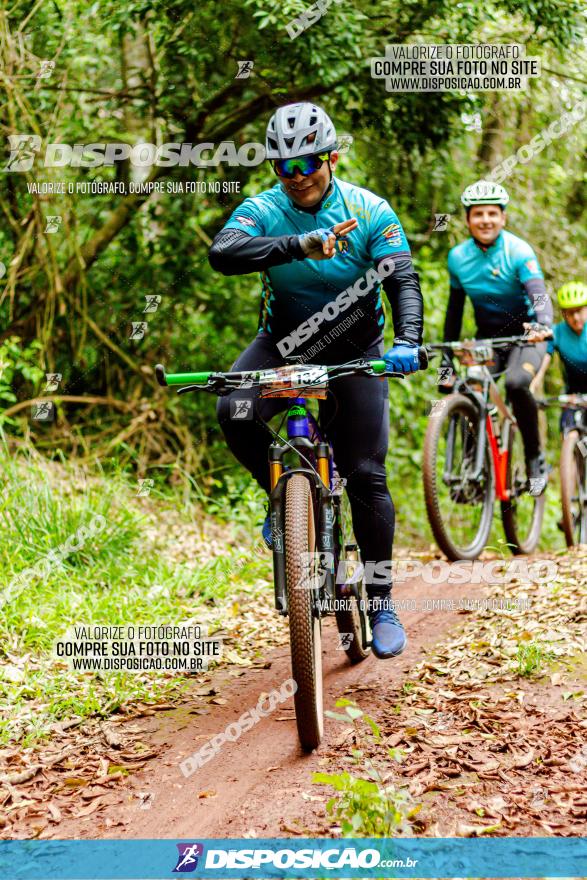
pixel 117 575
pixel 365 805
pixel 531 657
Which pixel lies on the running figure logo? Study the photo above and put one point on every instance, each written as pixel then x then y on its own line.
pixel 241 409
pixel 441 222
pixel 244 69
pixel 187 860
pixel 23 148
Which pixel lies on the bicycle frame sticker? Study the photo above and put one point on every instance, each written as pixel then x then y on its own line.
pixel 500 462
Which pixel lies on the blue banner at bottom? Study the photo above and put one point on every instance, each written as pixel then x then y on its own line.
pixel 311 858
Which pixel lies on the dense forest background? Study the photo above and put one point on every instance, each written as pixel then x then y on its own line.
pixel 167 72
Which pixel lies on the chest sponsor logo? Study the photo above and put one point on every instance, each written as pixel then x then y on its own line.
pixel 358 211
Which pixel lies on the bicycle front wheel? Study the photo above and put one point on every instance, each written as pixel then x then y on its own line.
pixel 459 502
pixel 573 471
pixel 304 625
pixel 521 514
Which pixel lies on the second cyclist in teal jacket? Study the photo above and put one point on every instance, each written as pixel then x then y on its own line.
pixel 500 274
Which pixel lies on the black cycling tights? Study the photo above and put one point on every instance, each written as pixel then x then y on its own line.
pixel 355 417
pixel 521 363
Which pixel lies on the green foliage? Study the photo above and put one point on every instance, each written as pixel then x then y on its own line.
pixel 365 806
pixel 117 576
pixel 531 658
pixel 165 72
pixel 18 364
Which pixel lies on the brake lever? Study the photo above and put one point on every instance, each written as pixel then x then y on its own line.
pixel 211 388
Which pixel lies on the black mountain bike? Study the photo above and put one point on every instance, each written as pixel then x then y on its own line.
pixel 316 561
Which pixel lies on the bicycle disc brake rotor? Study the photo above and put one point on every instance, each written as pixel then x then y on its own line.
pixel 467 490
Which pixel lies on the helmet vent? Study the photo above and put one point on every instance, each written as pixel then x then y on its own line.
pixel 299 129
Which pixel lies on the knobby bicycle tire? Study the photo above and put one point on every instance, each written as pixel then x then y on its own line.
pixel 304 625
pixel 519 544
pixel 571 478
pixel 454 404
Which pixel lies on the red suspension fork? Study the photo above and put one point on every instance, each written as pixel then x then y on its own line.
pixel 500 463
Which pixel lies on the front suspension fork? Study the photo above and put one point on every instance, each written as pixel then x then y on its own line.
pixel 325 523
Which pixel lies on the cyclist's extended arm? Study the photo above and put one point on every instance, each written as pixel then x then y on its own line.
pixel 538 379
pixel 540 300
pixel 454 314
pixel 407 306
pixel 233 252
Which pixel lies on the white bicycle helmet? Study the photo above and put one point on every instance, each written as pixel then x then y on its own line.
pixel 299 130
pixel 485 192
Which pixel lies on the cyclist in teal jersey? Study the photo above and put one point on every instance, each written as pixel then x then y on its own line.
pixel 324 249
pixel 570 341
pixel 500 274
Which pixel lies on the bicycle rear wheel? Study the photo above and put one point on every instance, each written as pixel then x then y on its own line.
pixel 351 597
pixel 459 504
pixel 573 471
pixel 304 625
pixel 522 514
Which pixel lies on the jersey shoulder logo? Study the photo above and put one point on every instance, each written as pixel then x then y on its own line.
pixel 246 221
pixel 531 266
pixel 392 233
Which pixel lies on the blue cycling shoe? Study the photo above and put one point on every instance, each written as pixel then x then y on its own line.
pixel 388 635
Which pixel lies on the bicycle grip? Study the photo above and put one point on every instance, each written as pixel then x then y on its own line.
pixel 423 357
pixel 160 375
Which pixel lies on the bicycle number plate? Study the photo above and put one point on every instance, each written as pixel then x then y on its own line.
pixel 475 354
pixel 293 380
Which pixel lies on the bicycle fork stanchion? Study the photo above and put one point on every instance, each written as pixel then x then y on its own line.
pixel 277 517
pixel 326 518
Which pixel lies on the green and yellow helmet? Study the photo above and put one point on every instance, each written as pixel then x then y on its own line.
pixel 572 295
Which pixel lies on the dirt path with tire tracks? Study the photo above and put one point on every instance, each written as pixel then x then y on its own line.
pixel 475 748
pixel 255 785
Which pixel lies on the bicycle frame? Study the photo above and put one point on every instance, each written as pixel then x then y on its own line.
pixel 480 387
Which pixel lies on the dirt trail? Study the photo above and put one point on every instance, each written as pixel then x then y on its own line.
pixel 260 784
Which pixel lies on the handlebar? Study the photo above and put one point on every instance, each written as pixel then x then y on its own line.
pixel 370 367
pixel 578 401
pixel 471 343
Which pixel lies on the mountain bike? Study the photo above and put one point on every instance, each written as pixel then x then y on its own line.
pixel 473 453
pixel 317 566
pixel 573 468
